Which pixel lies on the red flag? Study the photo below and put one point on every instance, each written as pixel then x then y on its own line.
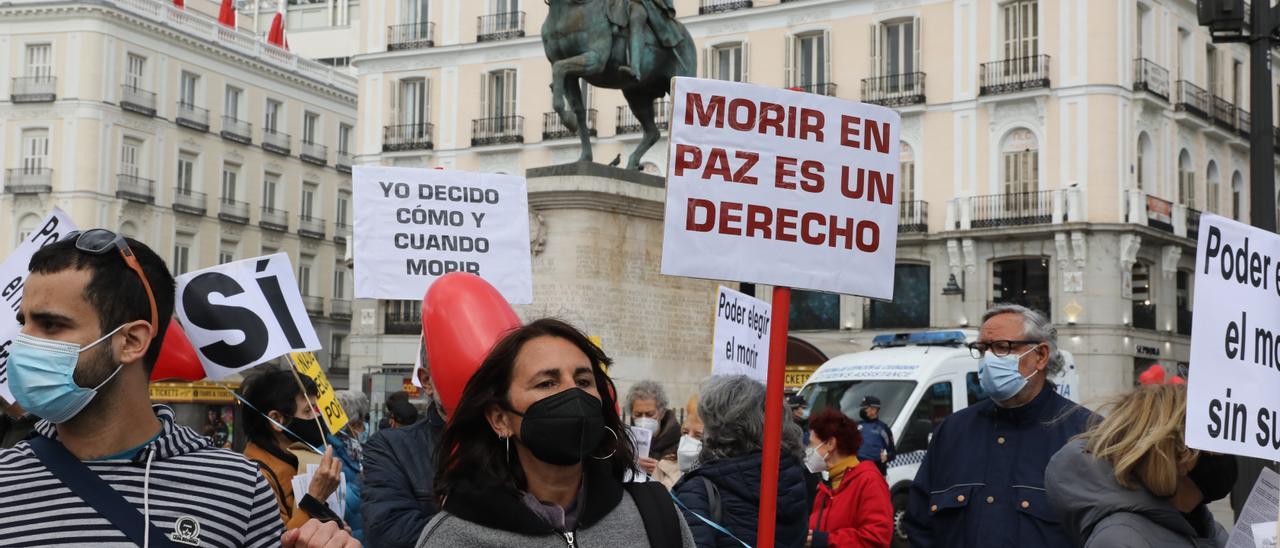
pixel 226 15
pixel 276 36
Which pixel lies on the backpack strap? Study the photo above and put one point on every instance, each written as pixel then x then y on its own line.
pixel 713 498
pixel 661 523
pixel 274 483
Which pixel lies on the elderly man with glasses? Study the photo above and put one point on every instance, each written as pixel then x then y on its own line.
pixel 982 479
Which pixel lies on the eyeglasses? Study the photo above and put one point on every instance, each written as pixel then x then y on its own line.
pixel 999 348
pixel 100 241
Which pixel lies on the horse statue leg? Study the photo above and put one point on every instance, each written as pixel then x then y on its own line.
pixel 642 107
pixel 573 90
pixel 565 82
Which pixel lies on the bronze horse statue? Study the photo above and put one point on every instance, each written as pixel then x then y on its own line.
pixel 588 40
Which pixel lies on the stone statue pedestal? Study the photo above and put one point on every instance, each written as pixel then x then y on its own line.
pixel 597 250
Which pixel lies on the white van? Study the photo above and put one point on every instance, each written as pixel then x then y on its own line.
pixel 921 378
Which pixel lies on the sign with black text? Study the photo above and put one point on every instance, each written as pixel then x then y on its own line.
pixel 741 341
pixel 245 313
pixel 326 399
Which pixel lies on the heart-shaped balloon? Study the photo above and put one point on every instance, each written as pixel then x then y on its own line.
pixel 1153 375
pixel 463 317
pixel 178 359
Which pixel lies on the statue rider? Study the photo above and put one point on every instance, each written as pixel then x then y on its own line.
pixel 633 15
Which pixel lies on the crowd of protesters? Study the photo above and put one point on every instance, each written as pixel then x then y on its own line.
pixel 539 450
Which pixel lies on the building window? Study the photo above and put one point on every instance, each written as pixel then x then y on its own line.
pixel 895 48
pixel 269 183
pixel 910 304
pixel 26 227
pixel 1213 187
pixel 339 283
pixel 273 115
pixel 344 201
pixel 1020 164
pixel 1020 20
pixel 416 11
pixel 1237 94
pixel 135 71
pixel 1185 70
pixel 310 127
pixel 1022 281
pixel 181 255
pixel 809 62
pixel 186 172
pixel 231 104
pixel 499 94
pixel 1186 180
pixel 412 102
pixel 304 275
pixel 403 318
pixel 907 174
pixel 1144 307
pixel 1144 171
pixel 39 61
pixel 187 89
pixel 728 62
pixel 504 6
pixel 131 157
pixel 344 139
pixel 1237 187
pixel 814 310
pixel 1184 302
pixel 35 150
pixel 227 253
pixel 1211 70
pixel 337 347
pixel 1143 32
pixel 308 200
pixel 230 179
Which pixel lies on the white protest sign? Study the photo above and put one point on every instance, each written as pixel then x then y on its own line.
pixel 1234 374
pixel 741 341
pixel 780 187
pixel 414 225
pixel 245 313
pixel 643 440
pixel 13 277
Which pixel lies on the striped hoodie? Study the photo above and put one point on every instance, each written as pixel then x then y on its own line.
pixel 193 493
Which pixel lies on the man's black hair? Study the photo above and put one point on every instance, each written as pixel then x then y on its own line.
pixel 114 290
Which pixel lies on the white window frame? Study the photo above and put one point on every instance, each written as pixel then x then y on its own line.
pixel 812 72
pixel 270 190
pixel 311 127
pixel 272 115
pixel 233 102
pixel 231 181
pixel 736 55
pixel 188 89
pixel 307 207
pixel 38 60
pixel 135 75
pixel 132 161
pixel 35 149
pixel 187 172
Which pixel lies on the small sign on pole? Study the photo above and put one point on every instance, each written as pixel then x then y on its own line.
pixel 330 409
pixel 741 341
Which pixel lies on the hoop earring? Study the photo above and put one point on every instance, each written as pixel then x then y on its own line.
pixel 616 439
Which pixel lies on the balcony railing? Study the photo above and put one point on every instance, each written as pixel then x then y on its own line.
pixel 237 130
pixel 233 211
pixel 1193 224
pixel 1243 123
pixel 497 131
pixel 28 180
pixel 913 217
pixel 721 6
pixel 192 117
pixel 343 162
pixel 823 88
pixel 135 189
pixel 411 36
pixel 136 99
pixel 186 200
pixel 339 365
pixel 405 320
pixel 553 127
pixel 275 141
pixel 274 219
pixel 310 227
pixel 1013 75
pixel 340 308
pixel 314 153
pixel 1193 99
pixel 313 304
pixel 500 26
pixel 894 90
pixel 407 137
pixel 1151 78
pixel 627 122
pixel 1013 209
pixel 34 89
pixel 1224 113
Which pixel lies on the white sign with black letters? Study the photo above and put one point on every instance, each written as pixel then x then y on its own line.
pixel 741 338
pixel 245 313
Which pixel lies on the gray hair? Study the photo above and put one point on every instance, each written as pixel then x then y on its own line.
pixel 648 390
pixel 1035 327
pixel 354 403
pixel 732 411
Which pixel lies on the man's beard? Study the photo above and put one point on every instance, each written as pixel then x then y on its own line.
pixel 91 372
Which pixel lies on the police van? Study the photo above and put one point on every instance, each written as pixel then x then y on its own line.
pixel 921 378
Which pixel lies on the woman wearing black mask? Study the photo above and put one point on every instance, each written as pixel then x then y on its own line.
pixel 535 454
pixel 1131 481
pixel 281 424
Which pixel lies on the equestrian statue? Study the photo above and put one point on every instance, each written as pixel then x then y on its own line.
pixel 636 46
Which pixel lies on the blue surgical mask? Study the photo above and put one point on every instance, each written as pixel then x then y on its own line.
pixel 41 375
pixel 1000 377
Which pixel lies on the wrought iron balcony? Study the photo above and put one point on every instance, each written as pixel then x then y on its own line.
pixel 1243 122
pixel 233 211
pixel 894 90
pixel 237 130
pixel 313 304
pixel 824 88
pixel 1151 78
pixel 274 219
pixel 1193 99
pixel 192 117
pixel 913 217
pixel 189 201
pixel 497 131
pixel 28 180
pixel 1013 209
pixel 275 141
pixel 1013 75
pixel 407 137
pixel 627 122
pixel 500 26
pixel 310 227
pixel 553 127
pixel 313 153
pixel 340 309
pixel 135 189
pixel 1224 113
pixel 34 89
pixel 343 162
pixel 403 318
pixel 720 6
pixel 411 36
pixel 136 99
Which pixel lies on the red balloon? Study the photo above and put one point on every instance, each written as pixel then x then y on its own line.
pixel 1177 380
pixel 463 317
pixel 1153 375
pixel 178 359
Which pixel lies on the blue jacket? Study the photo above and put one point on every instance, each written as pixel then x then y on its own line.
pixel 399 476
pixel 982 480
pixel 738 482
pixel 876 435
pixel 351 472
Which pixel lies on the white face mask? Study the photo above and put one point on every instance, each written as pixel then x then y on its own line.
pixel 687 453
pixel 646 423
pixel 813 460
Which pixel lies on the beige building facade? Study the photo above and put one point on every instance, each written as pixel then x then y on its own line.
pixel 201 141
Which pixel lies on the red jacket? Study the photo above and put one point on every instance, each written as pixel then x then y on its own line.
pixel 858 514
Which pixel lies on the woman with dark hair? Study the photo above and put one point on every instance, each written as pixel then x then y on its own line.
pixel 281 420
pixel 535 454
pixel 852 509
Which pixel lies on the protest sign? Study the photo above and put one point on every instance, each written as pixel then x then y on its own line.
pixel 1234 373
pixel 780 187
pixel 414 225
pixel 244 313
pixel 330 409
pixel 741 341
pixel 642 438
pixel 13 277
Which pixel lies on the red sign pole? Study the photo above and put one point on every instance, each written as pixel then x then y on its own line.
pixel 773 417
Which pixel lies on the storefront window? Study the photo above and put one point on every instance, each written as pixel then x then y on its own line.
pixel 910 304
pixel 1022 281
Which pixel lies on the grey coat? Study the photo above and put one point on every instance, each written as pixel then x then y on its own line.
pixel 1097 512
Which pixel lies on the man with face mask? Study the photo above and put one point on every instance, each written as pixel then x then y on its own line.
pixel 107 467
pixel 982 479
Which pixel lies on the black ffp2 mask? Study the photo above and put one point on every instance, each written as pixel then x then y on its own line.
pixel 562 429
pixel 1215 475
pixel 307 431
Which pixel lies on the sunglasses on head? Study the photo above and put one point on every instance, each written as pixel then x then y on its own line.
pixel 100 241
